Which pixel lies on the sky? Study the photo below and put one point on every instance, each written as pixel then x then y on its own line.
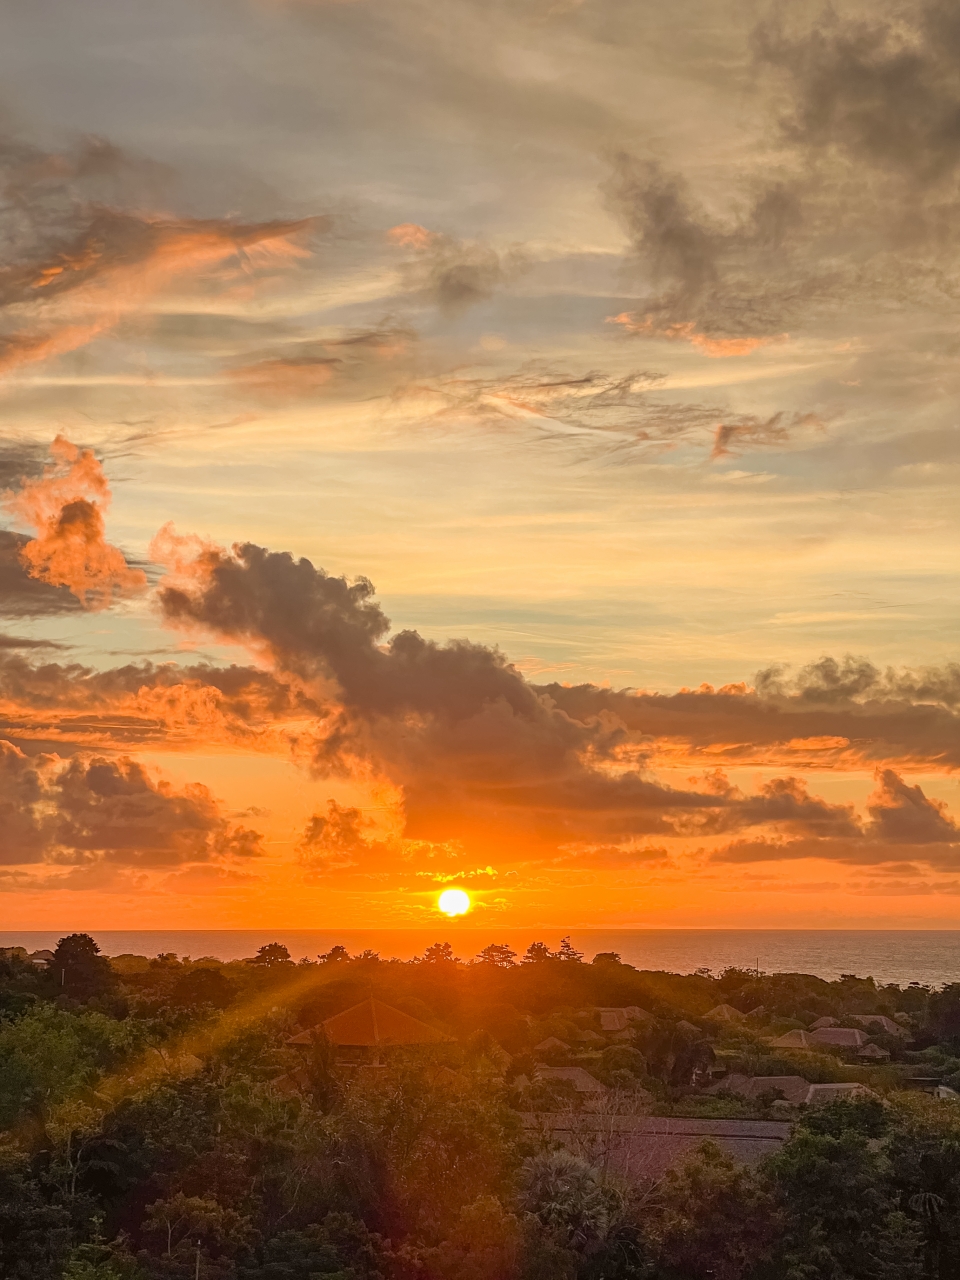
pixel 508 445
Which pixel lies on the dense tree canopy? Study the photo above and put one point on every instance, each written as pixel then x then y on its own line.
pixel 160 1124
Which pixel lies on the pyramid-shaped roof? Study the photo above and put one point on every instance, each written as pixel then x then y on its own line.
pixel 375 1024
pixel 795 1040
pixel 725 1013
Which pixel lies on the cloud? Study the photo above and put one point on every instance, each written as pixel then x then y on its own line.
pixel 610 857
pixel 367 357
pixel 475 750
pixel 904 815
pixel 830 714
pixel 717 348
pixel 830 681
pixel 205 878
pixel 19 458
pixel 82 248
pixel 335 837
pixel 880 90
pixel 22 835
pixel 65 506
pixel 22 595
pixel 751 432
pixel 453 274
pixel 853 205
pixel 94 809
pixel 903 823
pixel 787 804
pixel 594 410
pixel 18 643
pixel 68 705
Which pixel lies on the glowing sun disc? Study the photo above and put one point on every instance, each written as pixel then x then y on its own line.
pixel 453 902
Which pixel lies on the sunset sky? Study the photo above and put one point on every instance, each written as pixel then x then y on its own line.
pixel 510 445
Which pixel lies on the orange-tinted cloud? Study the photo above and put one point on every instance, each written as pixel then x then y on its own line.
pixel 749 431
pixel 310 368
pixel 71 292
pixel 65 507
pixel 686 331
pixel 410 235
pixel 68 705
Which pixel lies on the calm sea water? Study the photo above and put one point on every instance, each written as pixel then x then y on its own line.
pixel 889 955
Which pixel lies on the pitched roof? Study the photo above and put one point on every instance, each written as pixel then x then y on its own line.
pixel 795 1040
pixel 793 1088
pixel 725 1013
pixel 878 1020
pixel 373 1023
pixel 823 1022
pixel 616 1017
pixel 644 1147
pixel 551 1042
pixel 841 1037
pixel 612 1019
pixel 581 1080
pixel 873 1051
pixel 823 1093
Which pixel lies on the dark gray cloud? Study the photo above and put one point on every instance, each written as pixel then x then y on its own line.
pixel 786 803
pixel 113 808
pixel 903 823
pixel 829 712
pixel 902 814
pixel 859 205
pixel 476 749
pixel 854 679
pixel 82 227
pixel 22 836
pixel 19 643
pixel 23 596
pixel 454 274
pixel 20 459
pixel 111 811
pixel 880 88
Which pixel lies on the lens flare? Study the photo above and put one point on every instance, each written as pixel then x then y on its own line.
pixel 453 902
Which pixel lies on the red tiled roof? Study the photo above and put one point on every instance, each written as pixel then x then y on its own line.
pixel 373 1023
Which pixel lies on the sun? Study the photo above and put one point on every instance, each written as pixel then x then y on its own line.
pixel 454 902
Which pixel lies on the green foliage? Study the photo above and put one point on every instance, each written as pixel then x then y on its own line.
pixel 50 1052
pixel 840 1217
pixel 78 969
pixel 269 1162
pixel 203 987
pixel 34 1234
pixel 570 1200
pixel 273 956
pixel 338 1248
pixel 716 1209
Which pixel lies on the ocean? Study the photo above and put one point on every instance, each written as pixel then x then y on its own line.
pixel 888 955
